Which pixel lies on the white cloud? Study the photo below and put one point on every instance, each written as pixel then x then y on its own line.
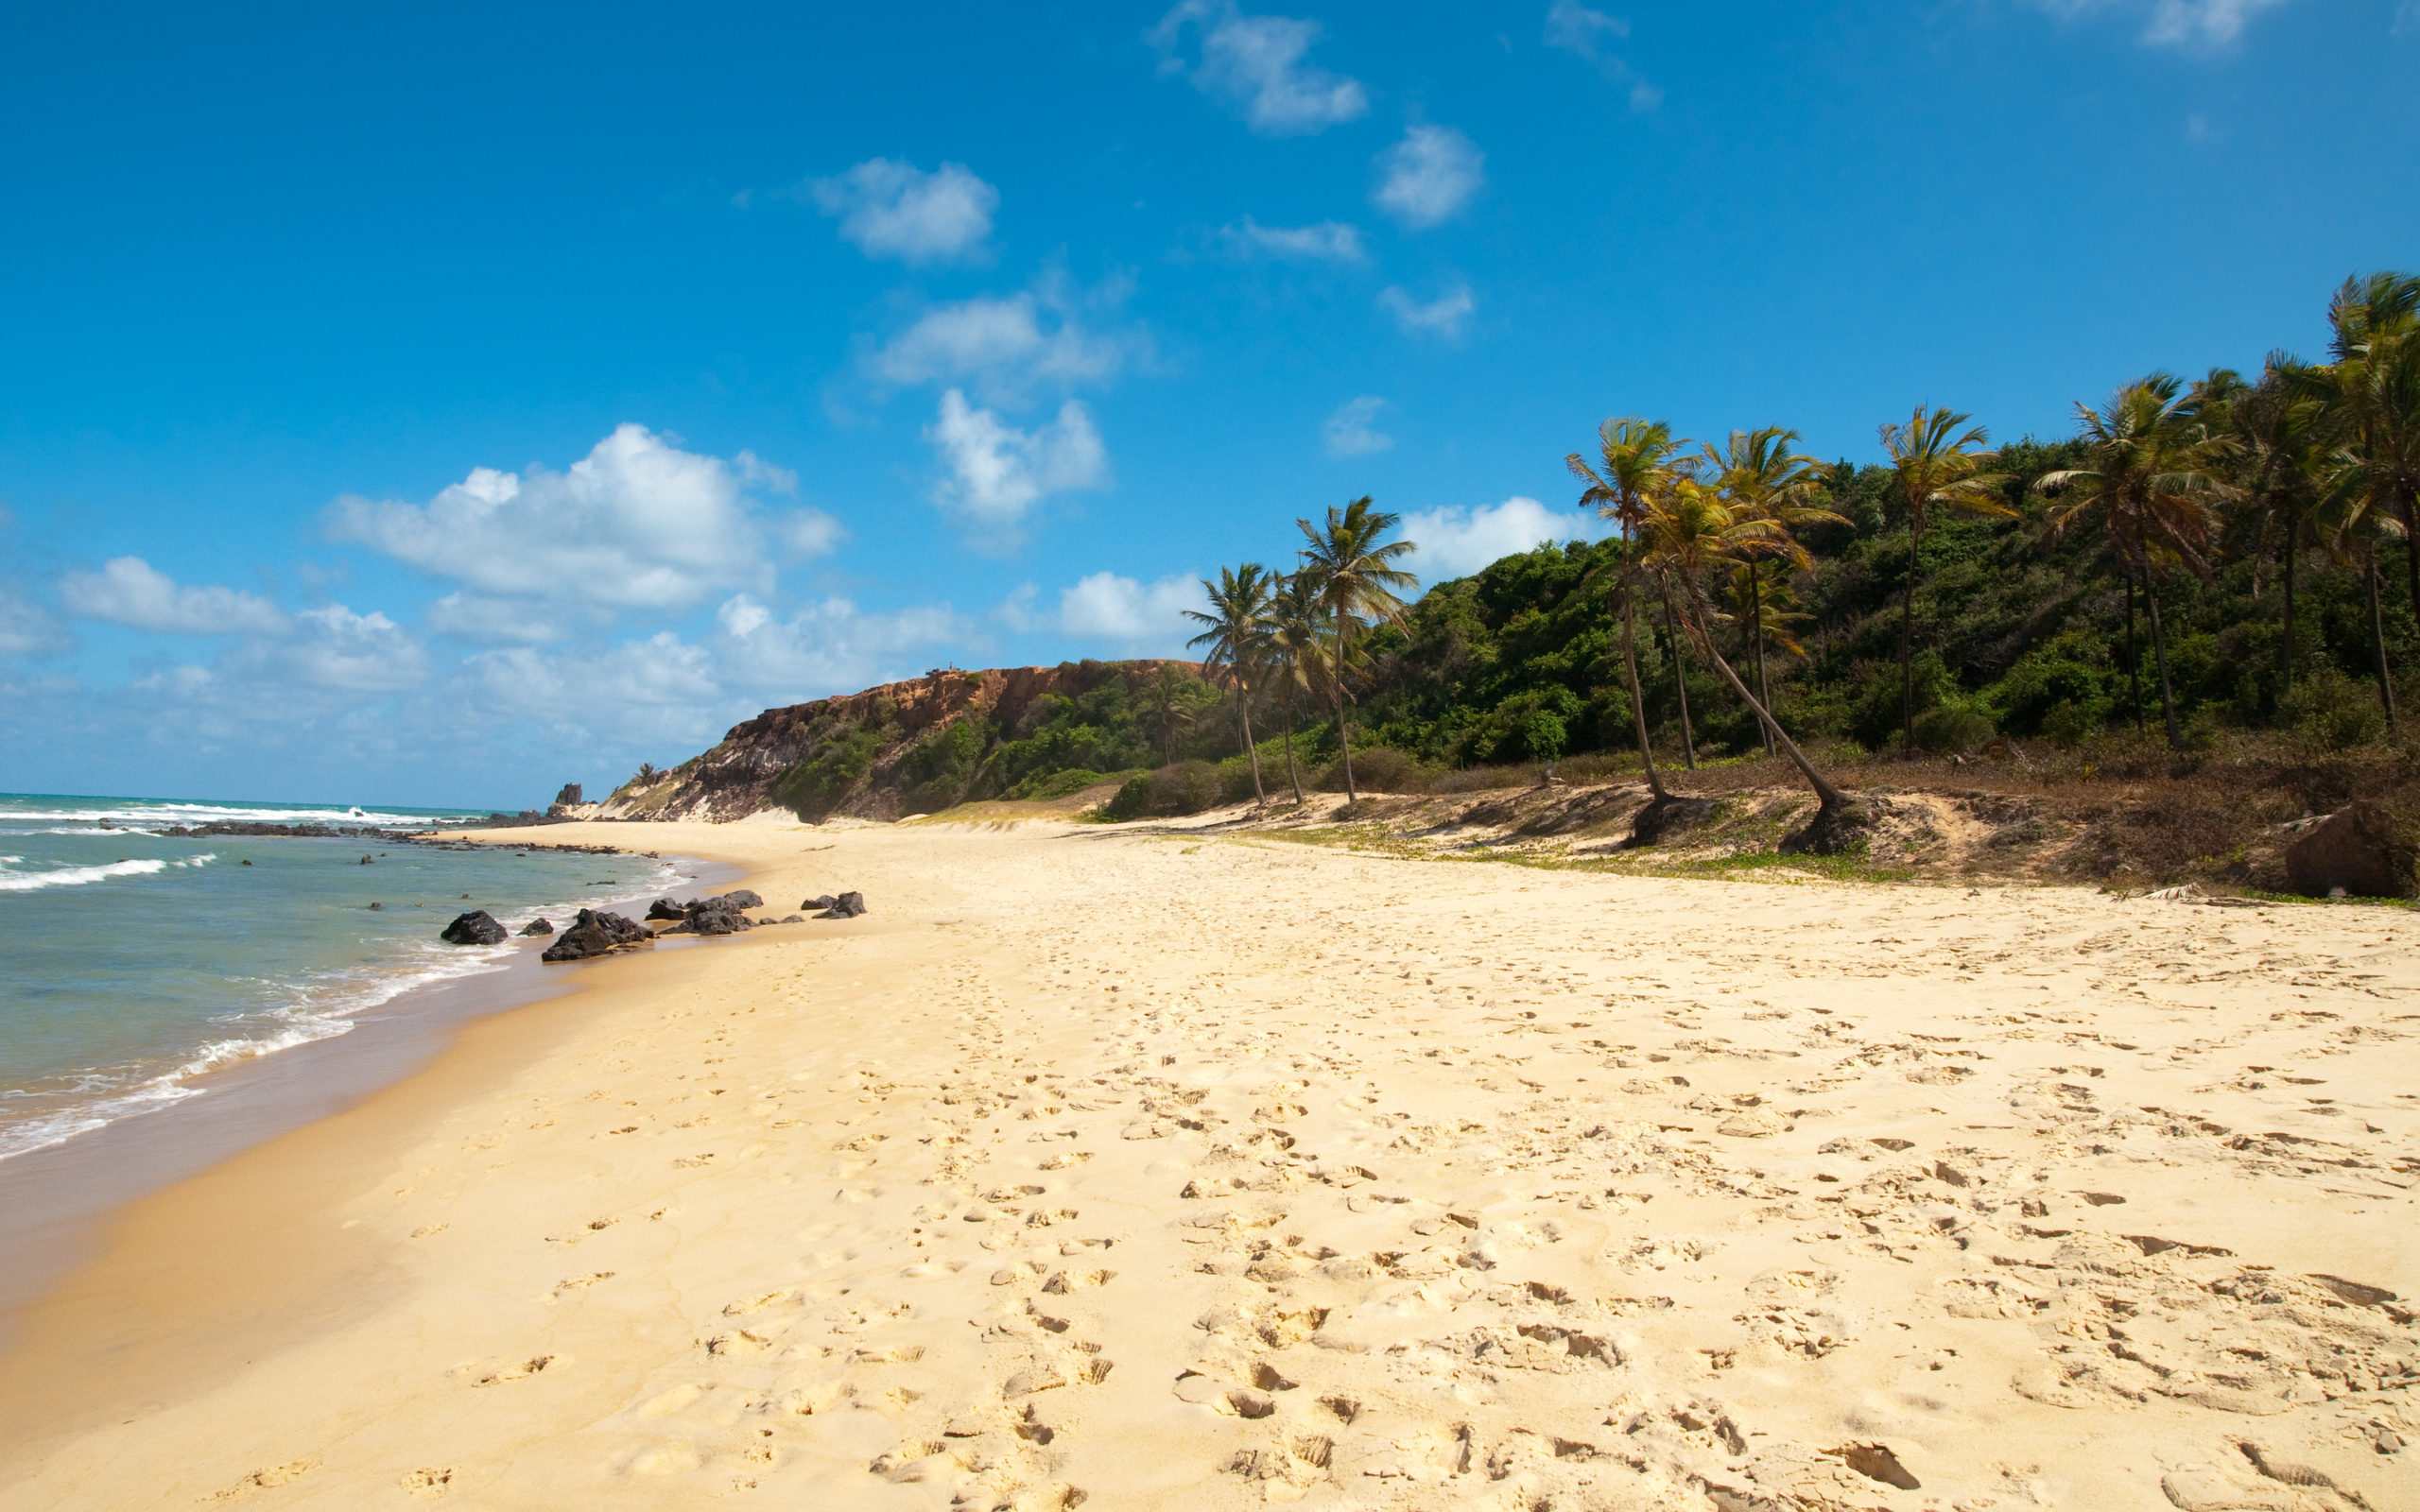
pixel 1329 241
pixel 2201 24
pixel 477 617
pixel 1348 432
pixel 997 472
pixel 1590 35
pixel 1105 607
pixel 1455 542
pixel 1005 347
pixel 1444 314
pixel 807 533
pixel 23 626
pixel 896 209
pixel 1428 174
pixel 638 522
pixel 2189 26
pixel 130 591
pixel 334 648
pixel 830 646
pixel 1256 64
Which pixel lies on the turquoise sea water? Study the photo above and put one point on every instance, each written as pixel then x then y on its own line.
pixel 132 963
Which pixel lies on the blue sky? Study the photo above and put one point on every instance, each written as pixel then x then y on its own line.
pixel 424 404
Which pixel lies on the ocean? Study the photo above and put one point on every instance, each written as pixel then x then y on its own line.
pixel 133 964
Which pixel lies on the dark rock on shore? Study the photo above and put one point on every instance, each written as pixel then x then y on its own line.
pixel 538 926
pixel 819 905
pixel 477 927
pixel 739 898
pixel 596 932
pixel 2362 848
pixel 667 908
pixel 847 905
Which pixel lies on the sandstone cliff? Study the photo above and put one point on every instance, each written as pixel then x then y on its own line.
pixel 844 756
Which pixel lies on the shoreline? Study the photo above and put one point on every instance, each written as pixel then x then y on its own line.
pixel 62 1197
pixel 1264 1171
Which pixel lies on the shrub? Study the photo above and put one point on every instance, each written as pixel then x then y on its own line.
pixel 2336 712
pixel 1047 785
pixel 1952 729
pixel 2069 723
pixel 1130 802
pixel 841 754
pixel 1186 787
pixel 1379 769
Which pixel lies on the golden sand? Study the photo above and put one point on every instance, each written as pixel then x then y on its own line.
pixel 1192 1171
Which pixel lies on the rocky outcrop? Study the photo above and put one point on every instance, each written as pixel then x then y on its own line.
pixel 847 905
pixel 720 914
pixel 569 797
pixel 596 932
pixel 737 779
pixel 477 927
pixel 2361 850
pixel 538 926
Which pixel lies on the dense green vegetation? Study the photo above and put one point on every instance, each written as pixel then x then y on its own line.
pixel 2235 554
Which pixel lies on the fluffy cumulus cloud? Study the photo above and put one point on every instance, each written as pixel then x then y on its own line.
pixel 1007 346
pixel 637 524
pixel 832 645
pixel 997 471
pixel 1591 35
pixel 2189 26
pixel 1105 607
pixel 1258 65
pixel 1328 241
pixel 892 209
pixel 1352 431
pixel 333 647
pixel 1443 315
pixel 1455 542
pixel 1428 174
pixel 130 591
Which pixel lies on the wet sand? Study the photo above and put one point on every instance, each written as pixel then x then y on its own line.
pixel 1192 1171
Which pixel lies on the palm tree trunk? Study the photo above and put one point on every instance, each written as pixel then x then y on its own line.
pixel 1637 703
pixel 1243 709
pixel 1680 679
pixel 1756 628
pixel 1829 797
pixel 2134 662
pixel 2293 527
pixel 1907 645
pixel 2159 654
pixel 2378 639
pixel 1343 737
pixel 1291 775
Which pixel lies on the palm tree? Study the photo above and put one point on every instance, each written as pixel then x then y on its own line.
pixel 1356 579
pixel 1236 636
pixel 2274 432
pixel 1636 458
pixel 2152 485
pixel 2374 386
pixel 1170 698
pixel 1763 479
pixel 1293 625
pixel 1690 533
pixel 1934 463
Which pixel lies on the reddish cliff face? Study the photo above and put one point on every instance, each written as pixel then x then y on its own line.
pixel 736 778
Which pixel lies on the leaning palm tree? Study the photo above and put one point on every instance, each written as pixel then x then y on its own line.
pixel 2355 527
pixel 1352 566
pixel 1636 458
pixel 1297 642
pixel 2153 485
pixel 1236 638
pixel 1692 533
pixel 1761 478
pixel 1934 464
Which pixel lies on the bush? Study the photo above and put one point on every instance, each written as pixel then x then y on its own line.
pixel 2337 711
pixel 1952 729
pixel 1047 785
pixel 1186 787
pixel 1379 769
pixel 2069 723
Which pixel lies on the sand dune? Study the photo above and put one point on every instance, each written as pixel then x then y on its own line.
pixel 1197 1172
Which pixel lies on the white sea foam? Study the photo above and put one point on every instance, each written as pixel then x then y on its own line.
pixel 77 876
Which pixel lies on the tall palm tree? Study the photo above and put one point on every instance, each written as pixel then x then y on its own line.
pixel 1297 641
pixel 1170 700
pixel 1761 478
pixel 1236 637
pixel 1636 458
pixel 1353 565
pixel 2373 387
pixel 2355 526
pixel 2274 435
pixel 2153 487
pixel 1937 461
pixel 1691 532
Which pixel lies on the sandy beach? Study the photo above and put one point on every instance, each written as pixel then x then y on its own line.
pixel 1194 1170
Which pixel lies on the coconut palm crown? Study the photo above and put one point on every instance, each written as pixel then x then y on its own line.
pixel 1351 566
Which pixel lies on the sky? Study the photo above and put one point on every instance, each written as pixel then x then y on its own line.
pixel 439 403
